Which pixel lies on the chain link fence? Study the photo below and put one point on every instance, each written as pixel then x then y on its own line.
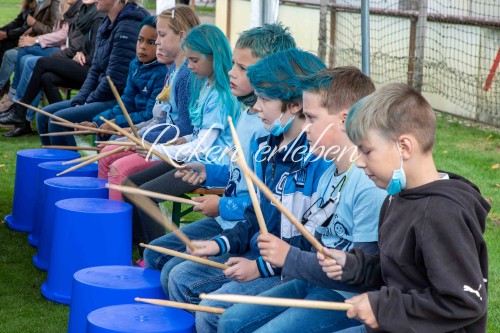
pixel 448 49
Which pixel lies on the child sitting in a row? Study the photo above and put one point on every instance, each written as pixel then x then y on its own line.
pixel 344 216
pixel 224 213
pixel 144 82
pixel 289 171
pixel 209 59
pixel 171 110
pixel 432 267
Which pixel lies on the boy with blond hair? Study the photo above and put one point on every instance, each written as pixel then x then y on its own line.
pixel 432 267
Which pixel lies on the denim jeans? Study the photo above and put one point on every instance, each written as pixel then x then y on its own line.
pixel 188 280
pixel 29 64
pixel 354 329
pixel 24 54
pixel 8 65
pixel 206 228
pixel 261 318
pixel 74 114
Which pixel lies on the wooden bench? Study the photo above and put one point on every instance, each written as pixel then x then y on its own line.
pixel 178 213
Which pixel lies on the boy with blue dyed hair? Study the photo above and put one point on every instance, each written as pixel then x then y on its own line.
pixel 344 215
pixel 224 212
pixel 287 169
pixel 432 267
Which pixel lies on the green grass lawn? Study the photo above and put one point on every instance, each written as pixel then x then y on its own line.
pixel 469 151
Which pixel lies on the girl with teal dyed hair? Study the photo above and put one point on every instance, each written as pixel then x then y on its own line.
pixel 209 58
pixel 208 43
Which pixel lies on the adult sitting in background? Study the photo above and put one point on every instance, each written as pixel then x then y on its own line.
pixel 144 83
pixel 10 33
pixel 67 67
pixel 42 22
pixel 32 48
pixel 29 50
pixel 115 48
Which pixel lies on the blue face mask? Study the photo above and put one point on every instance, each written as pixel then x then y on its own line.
pixel 277 128
pixel 398 180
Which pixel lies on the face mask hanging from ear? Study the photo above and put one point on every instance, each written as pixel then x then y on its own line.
pixel 277 128
pixel 398 180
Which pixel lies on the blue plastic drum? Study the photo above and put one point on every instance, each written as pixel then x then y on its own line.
pixel 23 206
pixel 48 170
pixel 139 318
pixel 56 189
pixel 87 232
pixel 97 287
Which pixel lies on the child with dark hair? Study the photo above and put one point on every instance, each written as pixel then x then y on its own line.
pixel 144 82
pixel 171 110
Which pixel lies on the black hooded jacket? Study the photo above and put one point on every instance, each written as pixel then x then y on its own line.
pixel 432 268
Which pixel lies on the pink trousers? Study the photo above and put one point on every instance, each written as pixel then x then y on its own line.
pixel 117 167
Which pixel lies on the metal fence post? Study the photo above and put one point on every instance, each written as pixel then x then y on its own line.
pixel 323 10
pixel 365 37
pixel 418 75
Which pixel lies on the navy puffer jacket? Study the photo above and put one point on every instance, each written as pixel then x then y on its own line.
pixel 145 82
pixel 115 48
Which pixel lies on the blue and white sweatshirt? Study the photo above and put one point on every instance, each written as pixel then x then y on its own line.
pixel 144 83
pixel 236 199
pixel 346 216
pixel 292 174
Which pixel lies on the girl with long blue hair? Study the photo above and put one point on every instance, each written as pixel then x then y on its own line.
pixel 209 59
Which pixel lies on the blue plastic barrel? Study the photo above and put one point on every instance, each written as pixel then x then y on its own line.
pixel 139 318
pixel 23 206
pixel 48 170
pixel 97 287
pixel 87 232
pixel 60 188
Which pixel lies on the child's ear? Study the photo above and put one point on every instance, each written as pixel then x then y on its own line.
pixel 407 146
pixel 182 34
pixel 294 107
pixel 343 117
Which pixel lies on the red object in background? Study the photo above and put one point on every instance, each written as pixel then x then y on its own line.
pixel 493 69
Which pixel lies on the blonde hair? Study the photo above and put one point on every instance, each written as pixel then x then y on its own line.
pixel 180 18
pixel 392 111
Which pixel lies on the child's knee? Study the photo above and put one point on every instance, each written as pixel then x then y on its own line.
pixel 205 321
pixel 173 288
pixel 113 171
